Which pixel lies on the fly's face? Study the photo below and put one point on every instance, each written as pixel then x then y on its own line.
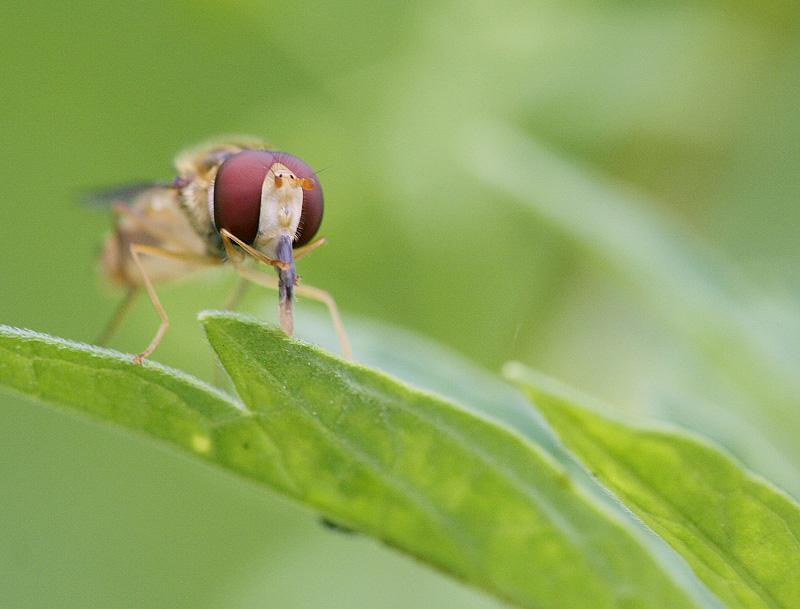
pixel 259 195
pixel 253 193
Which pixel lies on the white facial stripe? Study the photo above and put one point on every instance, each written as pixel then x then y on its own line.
pixel 211 204
pixel 280 206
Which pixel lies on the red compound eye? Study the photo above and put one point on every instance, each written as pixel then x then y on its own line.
pixel 237 194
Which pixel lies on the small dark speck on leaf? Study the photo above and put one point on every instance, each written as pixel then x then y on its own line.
pixel 336 527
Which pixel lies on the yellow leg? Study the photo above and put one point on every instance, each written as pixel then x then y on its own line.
pixel 304 290
pixel 269 281
pixel 284 306
pixel 309 247
pixel 228 239
pixel 325 298
pixel 136 250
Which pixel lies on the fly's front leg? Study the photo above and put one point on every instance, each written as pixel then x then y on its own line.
pixel 286 285
pixel 228 239
pixel 284 266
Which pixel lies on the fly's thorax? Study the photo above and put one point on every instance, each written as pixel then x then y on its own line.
pixel 199 160
pixel 197 170
pixel 194 202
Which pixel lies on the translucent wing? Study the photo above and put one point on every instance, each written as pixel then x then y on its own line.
pixel 106 197
pixel 153 218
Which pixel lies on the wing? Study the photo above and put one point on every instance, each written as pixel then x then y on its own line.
pixel 107 197
pixel 154 218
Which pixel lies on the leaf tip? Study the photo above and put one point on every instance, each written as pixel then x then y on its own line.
pixel 210 315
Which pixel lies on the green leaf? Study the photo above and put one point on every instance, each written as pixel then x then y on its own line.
pixel 467 495
pixel 739 534
pixel 149 398
pixel 428 365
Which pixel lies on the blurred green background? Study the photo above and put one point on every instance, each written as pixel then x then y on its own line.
pixel 606 191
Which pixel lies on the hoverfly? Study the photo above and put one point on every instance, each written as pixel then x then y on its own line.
pixel 230 200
